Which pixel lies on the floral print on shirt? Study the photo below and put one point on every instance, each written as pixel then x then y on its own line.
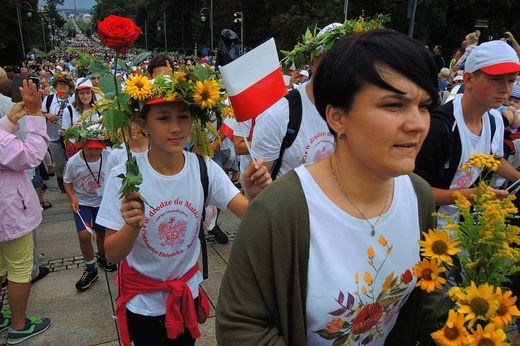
pixel 361 323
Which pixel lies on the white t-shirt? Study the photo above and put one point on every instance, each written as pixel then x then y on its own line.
pixel 116 157
pixel 339 250
pixel 313 142
pixel 241 128
pixel 66 121
pixel 167 245
pixel 472 144
pixel 88 183
pixel 57 108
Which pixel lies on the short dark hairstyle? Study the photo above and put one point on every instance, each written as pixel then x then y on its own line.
pixel 158 61
pixel 353 62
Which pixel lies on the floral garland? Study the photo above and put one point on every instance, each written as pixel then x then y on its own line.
pixel 315 43
pixel 62 77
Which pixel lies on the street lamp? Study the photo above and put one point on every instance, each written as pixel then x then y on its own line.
pixel 19 17
pixel 239 18
pixel 203 18
pixel 163 23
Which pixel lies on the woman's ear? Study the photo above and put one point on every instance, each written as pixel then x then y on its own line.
pixel 335 118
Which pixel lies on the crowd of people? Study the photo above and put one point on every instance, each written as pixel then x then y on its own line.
pixel 358 151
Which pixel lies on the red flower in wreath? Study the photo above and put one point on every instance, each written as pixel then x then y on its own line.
pixel 118 33
pixel 367 318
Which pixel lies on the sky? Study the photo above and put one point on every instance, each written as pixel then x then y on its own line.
pixel 69 4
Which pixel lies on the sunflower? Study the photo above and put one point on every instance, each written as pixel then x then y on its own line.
pixel 227 112
pixel 453 333
pixel 138 87
pixel 479 303
pixel 490 335
pixel 506 310
pixel 437 245
pixel 428 273
pixel 206 94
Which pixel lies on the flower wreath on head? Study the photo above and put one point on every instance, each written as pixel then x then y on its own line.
pixel 320 41
pixel 88 131
pixel 197 86
pixel 62 77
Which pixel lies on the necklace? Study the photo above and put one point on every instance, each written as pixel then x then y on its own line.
pixel 373 225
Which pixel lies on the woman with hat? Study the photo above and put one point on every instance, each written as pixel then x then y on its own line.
pixel 157 243
pixel 81 110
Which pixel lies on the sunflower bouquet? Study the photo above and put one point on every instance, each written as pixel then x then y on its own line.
pixel 476 257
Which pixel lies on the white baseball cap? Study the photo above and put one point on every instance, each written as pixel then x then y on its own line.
pixel 494 58
pixel 83 83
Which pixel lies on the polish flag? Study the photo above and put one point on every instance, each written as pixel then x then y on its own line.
pixel 254 81
pixel 228 126
pixel 87 225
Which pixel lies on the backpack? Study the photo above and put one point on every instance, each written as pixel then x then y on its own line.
pixel 295 119
pixel 452 155
pixel 202 237
pixel 48 102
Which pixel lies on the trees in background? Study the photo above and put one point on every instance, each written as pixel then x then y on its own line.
pixel 444 22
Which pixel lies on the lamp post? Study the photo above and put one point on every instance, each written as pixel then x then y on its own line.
pixel 19 17
pixel 163 23
pixel 43 30
pixel 239 18
pixel 203 18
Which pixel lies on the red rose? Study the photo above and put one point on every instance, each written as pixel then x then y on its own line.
pixel 118 33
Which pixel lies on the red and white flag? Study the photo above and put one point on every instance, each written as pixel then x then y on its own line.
pixel 254 81
pixel 228 126
pixel 87 225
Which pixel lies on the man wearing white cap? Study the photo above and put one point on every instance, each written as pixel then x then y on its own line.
pixel 468 125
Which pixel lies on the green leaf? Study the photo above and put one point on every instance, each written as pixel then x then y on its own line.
pixel 140 58
pixel 441 307
pixel 106 83
pixel 110 95
pixel 97 66
pixel 324 333
pixel 121 63
pixel 123 98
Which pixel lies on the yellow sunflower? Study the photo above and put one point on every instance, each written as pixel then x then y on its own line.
pixel 490 335
pixel 506 310
pixel 428 273
pixel 206 94
pixel 227 112
pixel 437 245
pixel 138 87
pixel 478 303
pixel 453 333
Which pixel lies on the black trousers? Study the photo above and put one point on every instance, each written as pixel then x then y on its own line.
pixel 150 330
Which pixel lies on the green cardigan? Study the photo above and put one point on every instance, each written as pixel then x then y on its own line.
pixel 262 298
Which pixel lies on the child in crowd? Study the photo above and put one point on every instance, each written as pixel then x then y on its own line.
pixel 84 183
pixel 157 243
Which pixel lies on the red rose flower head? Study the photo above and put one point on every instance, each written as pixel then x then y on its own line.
pixel 118 33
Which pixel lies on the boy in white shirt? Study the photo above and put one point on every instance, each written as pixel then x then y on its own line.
pixel 84 183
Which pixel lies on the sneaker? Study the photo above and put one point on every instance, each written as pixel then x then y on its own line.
pixel 220 236
pixel 33 326
pixel 5 320
pixel 42 272
pixel 106 264
pixel 88 277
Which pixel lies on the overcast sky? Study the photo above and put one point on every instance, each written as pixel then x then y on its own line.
pixel 87 4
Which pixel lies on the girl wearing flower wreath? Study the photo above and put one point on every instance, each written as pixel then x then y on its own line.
pixel 325 254
pixel 157 243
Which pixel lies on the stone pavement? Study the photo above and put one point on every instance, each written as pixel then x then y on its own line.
pixel 86 318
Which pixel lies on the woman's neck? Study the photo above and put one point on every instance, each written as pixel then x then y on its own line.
pixel 138 145
pixel 166 163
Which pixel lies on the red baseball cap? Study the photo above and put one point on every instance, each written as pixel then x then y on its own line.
pixel 94 144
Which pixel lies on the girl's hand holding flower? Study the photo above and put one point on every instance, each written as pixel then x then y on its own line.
pixel 133 210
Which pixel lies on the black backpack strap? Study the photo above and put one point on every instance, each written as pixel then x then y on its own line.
pixel 493 126
pixel 295 120
pixel 202 237
pixel 69 107
pixel 48 102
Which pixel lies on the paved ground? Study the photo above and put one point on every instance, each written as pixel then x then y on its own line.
pixel 86 318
